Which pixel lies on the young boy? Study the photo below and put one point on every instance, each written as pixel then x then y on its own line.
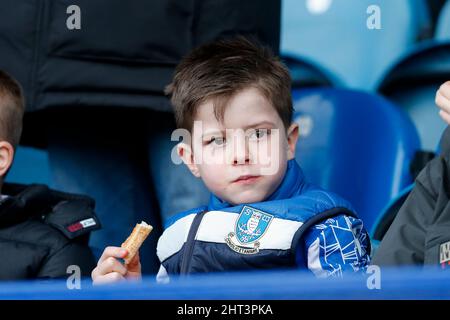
pixel 42 232
pixel 234 98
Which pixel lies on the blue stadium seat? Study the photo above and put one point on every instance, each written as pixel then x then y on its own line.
pixel 306 73
pixel 396 283
pixel 30 166
pixel 334 34
pixel 412 83
pixel 443 24
pixel 355 144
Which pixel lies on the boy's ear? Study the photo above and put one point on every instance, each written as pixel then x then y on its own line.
pixel 185 153
pixel 292 136
pixel 6 157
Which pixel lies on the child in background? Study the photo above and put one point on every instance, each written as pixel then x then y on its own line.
pixel 420 232
pixel 42 232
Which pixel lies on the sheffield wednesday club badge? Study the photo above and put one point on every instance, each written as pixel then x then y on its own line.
pixel 250 226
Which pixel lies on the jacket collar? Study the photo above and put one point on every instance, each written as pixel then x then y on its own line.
pixel 22 201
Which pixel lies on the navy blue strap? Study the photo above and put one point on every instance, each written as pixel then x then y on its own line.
pixel 189 246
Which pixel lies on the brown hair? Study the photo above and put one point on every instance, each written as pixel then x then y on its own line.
pixel 12 107
pixel 220 69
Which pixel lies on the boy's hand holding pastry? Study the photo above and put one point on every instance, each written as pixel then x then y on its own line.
pixel 109 269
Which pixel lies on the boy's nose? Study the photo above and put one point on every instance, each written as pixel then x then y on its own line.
pixel 240 151
pixel 241 159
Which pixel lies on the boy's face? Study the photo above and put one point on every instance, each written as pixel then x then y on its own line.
pixel 242 159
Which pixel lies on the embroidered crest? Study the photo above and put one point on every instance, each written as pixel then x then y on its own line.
pixel 250 226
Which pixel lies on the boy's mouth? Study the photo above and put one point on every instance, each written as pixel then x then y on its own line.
pixel 247 179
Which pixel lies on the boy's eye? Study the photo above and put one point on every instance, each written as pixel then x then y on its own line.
pixel 259 133
pixel 217 141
